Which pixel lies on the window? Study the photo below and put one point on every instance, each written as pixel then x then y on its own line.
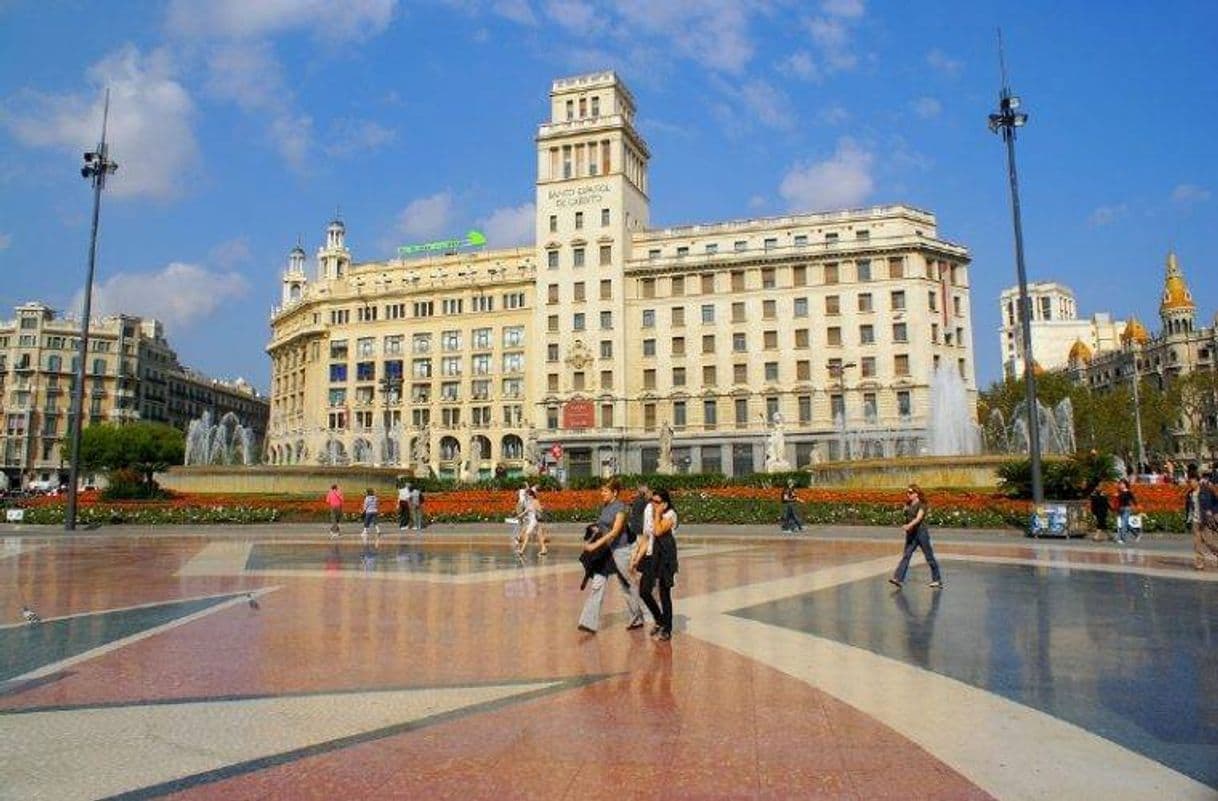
pixel 649 416
pixel 649 378
pixel 678 414
pixel 737 280
pixel 742 412
pixel 577 380
pixel 678 316
pixel 900 364
pixel 481 338
pixel 553 223
pixel 805 409
pixel 956 306
pixel 338 373
pixel 899 332
pixel 740 373
pixel 649 318
pixel 552 259
pixel 897 300
pixel 513 336
pixel 865 304
pixel 578 290
pixel 393 345
pixel 451 306
pixel 678 346
pixel 834 336
pixel 862 234
pixel 577 256
pixel 711 248
pixel 740 245
pixel 710 416
pixel 771 371
pixel 606 349
pixel 866 335
pixel 682 251
pixel 740 342
pixel 450 391
pixel 450 340
pixel 932 301
pixel 450 365
pixel 678 376
pixel 801 337
pixel 513 300
pixel 552 352
pixel 896 267
pixel 653 254
pixel 869 407
pixel 480 390
pixel 649 347
pixel 606 379
pixel 867 367
pixel 831 238
pixel 770 340
pixel 708 284
pixel 831 276
pixel 769 309
pixel 768 280
pixel 833 305
pixel 482 303
pixel 606 255
pixel 904 406
pixel 800 308
pixel 552 323
pixel 708 314
pixel 338 349
pixel 934 333
pixel 606 321
pixel 708 375
pixel 708 343
pixel 421 368
pixel 769 243
pixel 803 370
pixel 513 362
pixel 606 415
pixel 552 294
pixel 604 217
pixel 771 408
pixel 579 221
pixel 738 312
pixel 552 386
pixel 338 397
pixel 678 286
pixel 424 308
pixel 578 321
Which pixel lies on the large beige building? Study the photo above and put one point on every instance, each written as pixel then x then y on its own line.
pixel 608 332
pixel 133 374
pixel 1055 328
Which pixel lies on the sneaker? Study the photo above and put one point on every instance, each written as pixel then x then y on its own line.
pixel 664 634
pixel 894 582
pixel 637 623
pixel 657 628
pixel 585 629
pixel 936 585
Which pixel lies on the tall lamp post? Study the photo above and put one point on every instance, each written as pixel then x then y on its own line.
pixel 838 371
pixel 97 166
pixel 1005 122
pixel 1137 415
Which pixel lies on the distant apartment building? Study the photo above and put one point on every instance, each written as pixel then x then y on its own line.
pixel 583 347
pixel 132 373
pixel 1055 328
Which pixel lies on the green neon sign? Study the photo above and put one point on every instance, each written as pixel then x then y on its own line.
pixel 473 239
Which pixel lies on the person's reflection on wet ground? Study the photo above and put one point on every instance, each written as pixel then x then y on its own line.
pixel 919 628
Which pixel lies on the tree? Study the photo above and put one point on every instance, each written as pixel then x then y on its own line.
pixel 1198 407
pixel 143 448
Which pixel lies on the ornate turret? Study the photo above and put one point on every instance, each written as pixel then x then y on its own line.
pixel 334 259
pixel 1135 333
pixel 294 278
pixel 1080 354
pixel 1177 309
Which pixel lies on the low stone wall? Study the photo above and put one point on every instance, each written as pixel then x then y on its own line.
pixel 283 479
pixel 980 472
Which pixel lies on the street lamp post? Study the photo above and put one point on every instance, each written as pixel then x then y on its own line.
pixel 1005 122
pixel 97 166
pixel 837 371
pixel 1137 416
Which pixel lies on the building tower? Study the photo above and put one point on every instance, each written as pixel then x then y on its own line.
pixel 1177 311
pixel 591 193
pixel 334 259
pixel 294 278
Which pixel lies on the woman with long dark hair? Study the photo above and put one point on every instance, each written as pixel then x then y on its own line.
pixel 917 535
pixel 655 555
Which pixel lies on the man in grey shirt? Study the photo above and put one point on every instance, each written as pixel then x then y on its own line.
pixel 613 534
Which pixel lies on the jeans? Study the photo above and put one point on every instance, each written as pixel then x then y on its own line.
pixel 1123 523
pixel 790 520
pixel 918 538
pixel 403 514
pixel 662 612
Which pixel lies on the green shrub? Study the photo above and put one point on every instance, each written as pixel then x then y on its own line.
pixel 129 485
pixel 1064 479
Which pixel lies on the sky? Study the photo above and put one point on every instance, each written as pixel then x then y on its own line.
pixel 243 127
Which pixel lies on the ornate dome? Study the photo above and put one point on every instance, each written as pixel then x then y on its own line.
pixel 1079 352
pixel 1134 333
pixel 1175 291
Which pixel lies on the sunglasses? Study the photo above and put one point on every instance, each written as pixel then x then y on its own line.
pixel 657 500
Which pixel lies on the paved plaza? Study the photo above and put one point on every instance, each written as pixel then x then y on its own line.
pixel 273 663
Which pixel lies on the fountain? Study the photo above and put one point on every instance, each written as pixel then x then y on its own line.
pixel 950 430
pixel 226 442
pixel 1056 427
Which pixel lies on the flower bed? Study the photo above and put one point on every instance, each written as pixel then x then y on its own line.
pixel 1161 506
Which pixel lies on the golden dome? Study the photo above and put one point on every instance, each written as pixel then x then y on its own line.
pixel 1079 352
pixel 1134 332
pixel 1175 291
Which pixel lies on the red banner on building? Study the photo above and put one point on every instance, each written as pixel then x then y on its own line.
pixel 578 414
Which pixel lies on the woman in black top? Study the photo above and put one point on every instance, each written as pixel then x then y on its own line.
pixel 917 535
pixel 656 557
pixel 1125 503
pixel 790 520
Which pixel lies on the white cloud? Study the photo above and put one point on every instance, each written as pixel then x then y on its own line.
pixel 231 253
pixel 349 136
pixel 769 104
pixel 927 107
pixel 834 115
pixel 832 32
pixel 841 181
pixel 1187 194
pixel 847 9
pixel 427 216
pixel 180 295
pixel 1106 215
pixel 518 11
pixel 511 225
pixel 242 19
pixel 800 65
pixel 712 34
pixel 574 15
pixel 758 202
pixel 149 133
pixel 944 63
pixel 6 241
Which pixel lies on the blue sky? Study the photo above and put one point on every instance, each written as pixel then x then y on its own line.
pixel 240 126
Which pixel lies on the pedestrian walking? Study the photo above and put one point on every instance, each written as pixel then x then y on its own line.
pixel 655 557
pixel 612 533
pixel 403 504
pixel 530 522
pixel 790 519
pixel 1126 501
pixel 917 535
pixel 370 517
pixel 416 507
pixel 1203 503
pixel 334 502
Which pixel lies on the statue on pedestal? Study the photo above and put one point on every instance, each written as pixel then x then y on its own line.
pixel 776 447
pixel 421 454
pixel 532 455
pixel 665 465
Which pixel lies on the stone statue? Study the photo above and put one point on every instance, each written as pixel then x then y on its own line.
pixel 776 447
pixel 422 450
pixel 665 462
pixel 532 455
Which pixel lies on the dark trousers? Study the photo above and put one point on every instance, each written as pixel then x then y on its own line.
pixel 403 514
pixel 919 538
pixel 662 612
pixel 790 520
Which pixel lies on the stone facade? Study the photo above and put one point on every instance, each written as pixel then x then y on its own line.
pixel 133 374
pixel 834 321
pixel 1056 328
